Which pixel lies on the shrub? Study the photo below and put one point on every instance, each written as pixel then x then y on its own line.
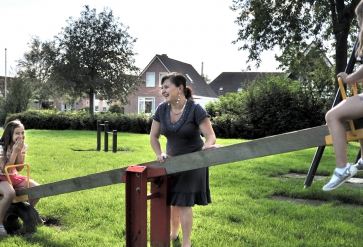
pixel 116 109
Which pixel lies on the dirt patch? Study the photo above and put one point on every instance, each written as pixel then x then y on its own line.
pixel 51 222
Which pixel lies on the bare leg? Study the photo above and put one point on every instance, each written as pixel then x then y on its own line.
pixel 351 108
pixel 8 195
pixel 32 183
pixel 175 222
pixel 186 220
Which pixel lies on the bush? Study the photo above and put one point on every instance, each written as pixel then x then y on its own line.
pixel 269 106
pixel 81 120
pixel 116 109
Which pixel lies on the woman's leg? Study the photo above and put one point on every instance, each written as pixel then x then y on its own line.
pixel 8 193
pixel 175 222
pixel 186 220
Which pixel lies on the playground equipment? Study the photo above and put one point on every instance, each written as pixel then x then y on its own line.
pixel 21 217
pixel 106 132
pixel 137 177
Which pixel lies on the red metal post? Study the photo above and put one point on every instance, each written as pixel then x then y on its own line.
pixel 136 179
pixel 160 212
pixel 136 206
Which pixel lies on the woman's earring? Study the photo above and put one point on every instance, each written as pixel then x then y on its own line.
pixel 177 101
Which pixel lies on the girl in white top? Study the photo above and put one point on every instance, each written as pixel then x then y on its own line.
pixel 12 151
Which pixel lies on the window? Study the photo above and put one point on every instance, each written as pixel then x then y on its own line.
pixel 146 105
pixel 239 89
pixel 161 74
pixel 150 79
pixel 221 89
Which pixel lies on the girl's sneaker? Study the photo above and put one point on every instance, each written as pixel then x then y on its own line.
pixel 349 172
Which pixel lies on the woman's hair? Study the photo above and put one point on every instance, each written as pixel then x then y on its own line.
pixel 359 12
pixel 179 79
pixel 7 136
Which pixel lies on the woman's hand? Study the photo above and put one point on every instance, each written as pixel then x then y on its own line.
pixel 210 146
pixel 160 158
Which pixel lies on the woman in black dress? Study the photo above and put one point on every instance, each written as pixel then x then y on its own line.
pixel 182 121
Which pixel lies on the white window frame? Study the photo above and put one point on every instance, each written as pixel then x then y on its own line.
pixel 143 101
pixel 150 79
pixel 161 74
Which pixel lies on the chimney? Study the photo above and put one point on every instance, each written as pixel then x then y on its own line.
pixel 202 71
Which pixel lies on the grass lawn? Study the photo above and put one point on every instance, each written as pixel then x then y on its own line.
pixel 242 213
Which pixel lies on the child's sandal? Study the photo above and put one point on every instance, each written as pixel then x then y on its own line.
pixel 3 232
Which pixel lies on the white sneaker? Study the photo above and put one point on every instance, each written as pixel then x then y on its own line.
pixel 349 172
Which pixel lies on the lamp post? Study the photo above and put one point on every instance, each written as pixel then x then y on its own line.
pixel 5 75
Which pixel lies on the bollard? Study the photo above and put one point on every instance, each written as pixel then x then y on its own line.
pixel 114 139
pixel 106 132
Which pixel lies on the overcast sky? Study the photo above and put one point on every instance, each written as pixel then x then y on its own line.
pixel 190 31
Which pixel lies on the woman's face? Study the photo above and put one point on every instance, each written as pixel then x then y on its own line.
pixel 19 133
pixel 169 91
pixel 359 21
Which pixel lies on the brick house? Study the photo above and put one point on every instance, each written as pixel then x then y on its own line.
pixel 148 97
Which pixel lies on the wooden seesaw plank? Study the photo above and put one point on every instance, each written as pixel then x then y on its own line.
pixel 277 144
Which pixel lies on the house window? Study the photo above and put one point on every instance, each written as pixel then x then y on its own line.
pixel 161 74
pixel 150 79
pixel 146 105
pixel 221 89
pixel 239 89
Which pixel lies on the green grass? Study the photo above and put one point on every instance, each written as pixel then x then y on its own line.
pixel 241 213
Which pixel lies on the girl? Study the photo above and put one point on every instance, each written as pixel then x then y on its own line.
pixel 12 151
pixel 351 108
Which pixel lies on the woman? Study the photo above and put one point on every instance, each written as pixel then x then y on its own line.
pixel 182 121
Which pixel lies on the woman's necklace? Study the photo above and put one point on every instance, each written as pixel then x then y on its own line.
pixel 180 110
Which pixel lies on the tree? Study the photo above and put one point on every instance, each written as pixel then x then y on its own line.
pixel 17 99
pixel 94 56
pixel 293 25
pixel 35 67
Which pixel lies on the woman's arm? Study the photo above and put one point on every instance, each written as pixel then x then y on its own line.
pixel 155 133
pixel 208 133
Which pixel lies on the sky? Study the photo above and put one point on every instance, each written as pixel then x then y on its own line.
pixel 190 31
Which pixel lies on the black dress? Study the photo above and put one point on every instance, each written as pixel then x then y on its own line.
pixel 190 187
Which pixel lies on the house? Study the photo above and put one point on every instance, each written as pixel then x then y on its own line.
pixel 148 97
pixel 231 82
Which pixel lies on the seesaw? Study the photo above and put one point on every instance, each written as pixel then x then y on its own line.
pixel 353 134
pixel 137 176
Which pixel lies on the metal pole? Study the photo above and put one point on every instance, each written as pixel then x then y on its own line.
pixel 5 76
pixel 105 129
pixel 114 139
pixel 98 135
